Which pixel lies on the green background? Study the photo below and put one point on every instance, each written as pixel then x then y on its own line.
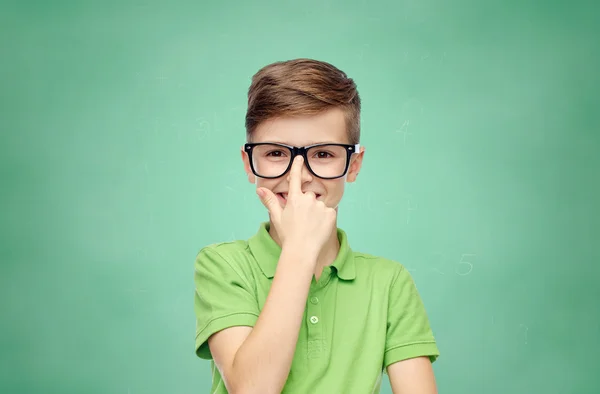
pixel 121 124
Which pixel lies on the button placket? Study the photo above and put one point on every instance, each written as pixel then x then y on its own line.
pixel 315 326
pixel 313 310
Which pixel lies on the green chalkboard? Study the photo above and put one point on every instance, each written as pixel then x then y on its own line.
pixel 121 124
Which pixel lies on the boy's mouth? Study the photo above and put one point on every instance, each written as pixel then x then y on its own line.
pixel 283 196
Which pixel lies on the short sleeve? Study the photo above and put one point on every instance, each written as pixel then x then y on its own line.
pixel 409 334
pixel 224 297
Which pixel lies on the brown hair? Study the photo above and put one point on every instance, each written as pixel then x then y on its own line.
pixel 302 87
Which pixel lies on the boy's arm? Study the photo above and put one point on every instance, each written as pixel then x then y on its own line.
pixel 258 359
pixel 410 345
pixel 412 376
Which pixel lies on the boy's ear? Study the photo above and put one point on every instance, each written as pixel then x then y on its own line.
pixel 355 165
pixel 247 169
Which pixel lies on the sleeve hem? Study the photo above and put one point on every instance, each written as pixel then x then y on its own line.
pixel 411 350
pixel 218 324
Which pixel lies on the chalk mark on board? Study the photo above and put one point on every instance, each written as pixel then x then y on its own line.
pixel 157 120
pixel 440 261
pixel 526 331
pixel 204 128
pixel 369 204
pixel 362 51
pixel 404 129
pixel 176 129
pixel 467 263
pixel 409 210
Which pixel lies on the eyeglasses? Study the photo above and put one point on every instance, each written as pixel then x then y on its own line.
pixel 325 161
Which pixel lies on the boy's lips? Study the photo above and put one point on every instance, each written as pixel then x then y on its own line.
pixel 283 196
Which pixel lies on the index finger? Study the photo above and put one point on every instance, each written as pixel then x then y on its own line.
pixel 295 183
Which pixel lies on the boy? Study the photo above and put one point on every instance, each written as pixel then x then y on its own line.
pixel 294 309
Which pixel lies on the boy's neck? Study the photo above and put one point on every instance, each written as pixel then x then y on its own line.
pixel 328 253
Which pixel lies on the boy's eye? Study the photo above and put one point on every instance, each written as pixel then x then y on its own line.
pixel 323 155
pixel 276 153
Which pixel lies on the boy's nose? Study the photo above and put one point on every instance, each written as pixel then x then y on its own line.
pixel 305 174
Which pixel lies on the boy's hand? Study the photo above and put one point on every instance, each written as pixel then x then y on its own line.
pixel 305 222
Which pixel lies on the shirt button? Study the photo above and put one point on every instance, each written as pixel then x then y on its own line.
pixel 314 319
pixel 314 300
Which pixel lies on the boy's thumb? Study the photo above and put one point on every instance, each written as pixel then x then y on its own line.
pixel 268 199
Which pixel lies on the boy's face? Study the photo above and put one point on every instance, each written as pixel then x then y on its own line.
pixel 328 127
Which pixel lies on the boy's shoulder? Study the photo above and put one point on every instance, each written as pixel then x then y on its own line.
pixel 227 246
pixel 227 258
pixel 226 249
pixel 378 263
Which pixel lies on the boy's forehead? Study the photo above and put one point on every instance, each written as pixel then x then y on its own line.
pixel 302 131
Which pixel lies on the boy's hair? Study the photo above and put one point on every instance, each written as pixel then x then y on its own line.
pixel 302 87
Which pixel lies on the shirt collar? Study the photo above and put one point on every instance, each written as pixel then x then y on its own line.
pixel 266 252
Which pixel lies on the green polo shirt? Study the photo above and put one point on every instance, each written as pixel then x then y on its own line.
pixel 363 314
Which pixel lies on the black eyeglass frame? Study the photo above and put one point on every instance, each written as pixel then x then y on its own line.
pixel 301 150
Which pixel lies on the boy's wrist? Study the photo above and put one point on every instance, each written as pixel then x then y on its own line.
pixel 301 252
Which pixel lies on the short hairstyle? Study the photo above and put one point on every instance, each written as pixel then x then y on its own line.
pixel 302 87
